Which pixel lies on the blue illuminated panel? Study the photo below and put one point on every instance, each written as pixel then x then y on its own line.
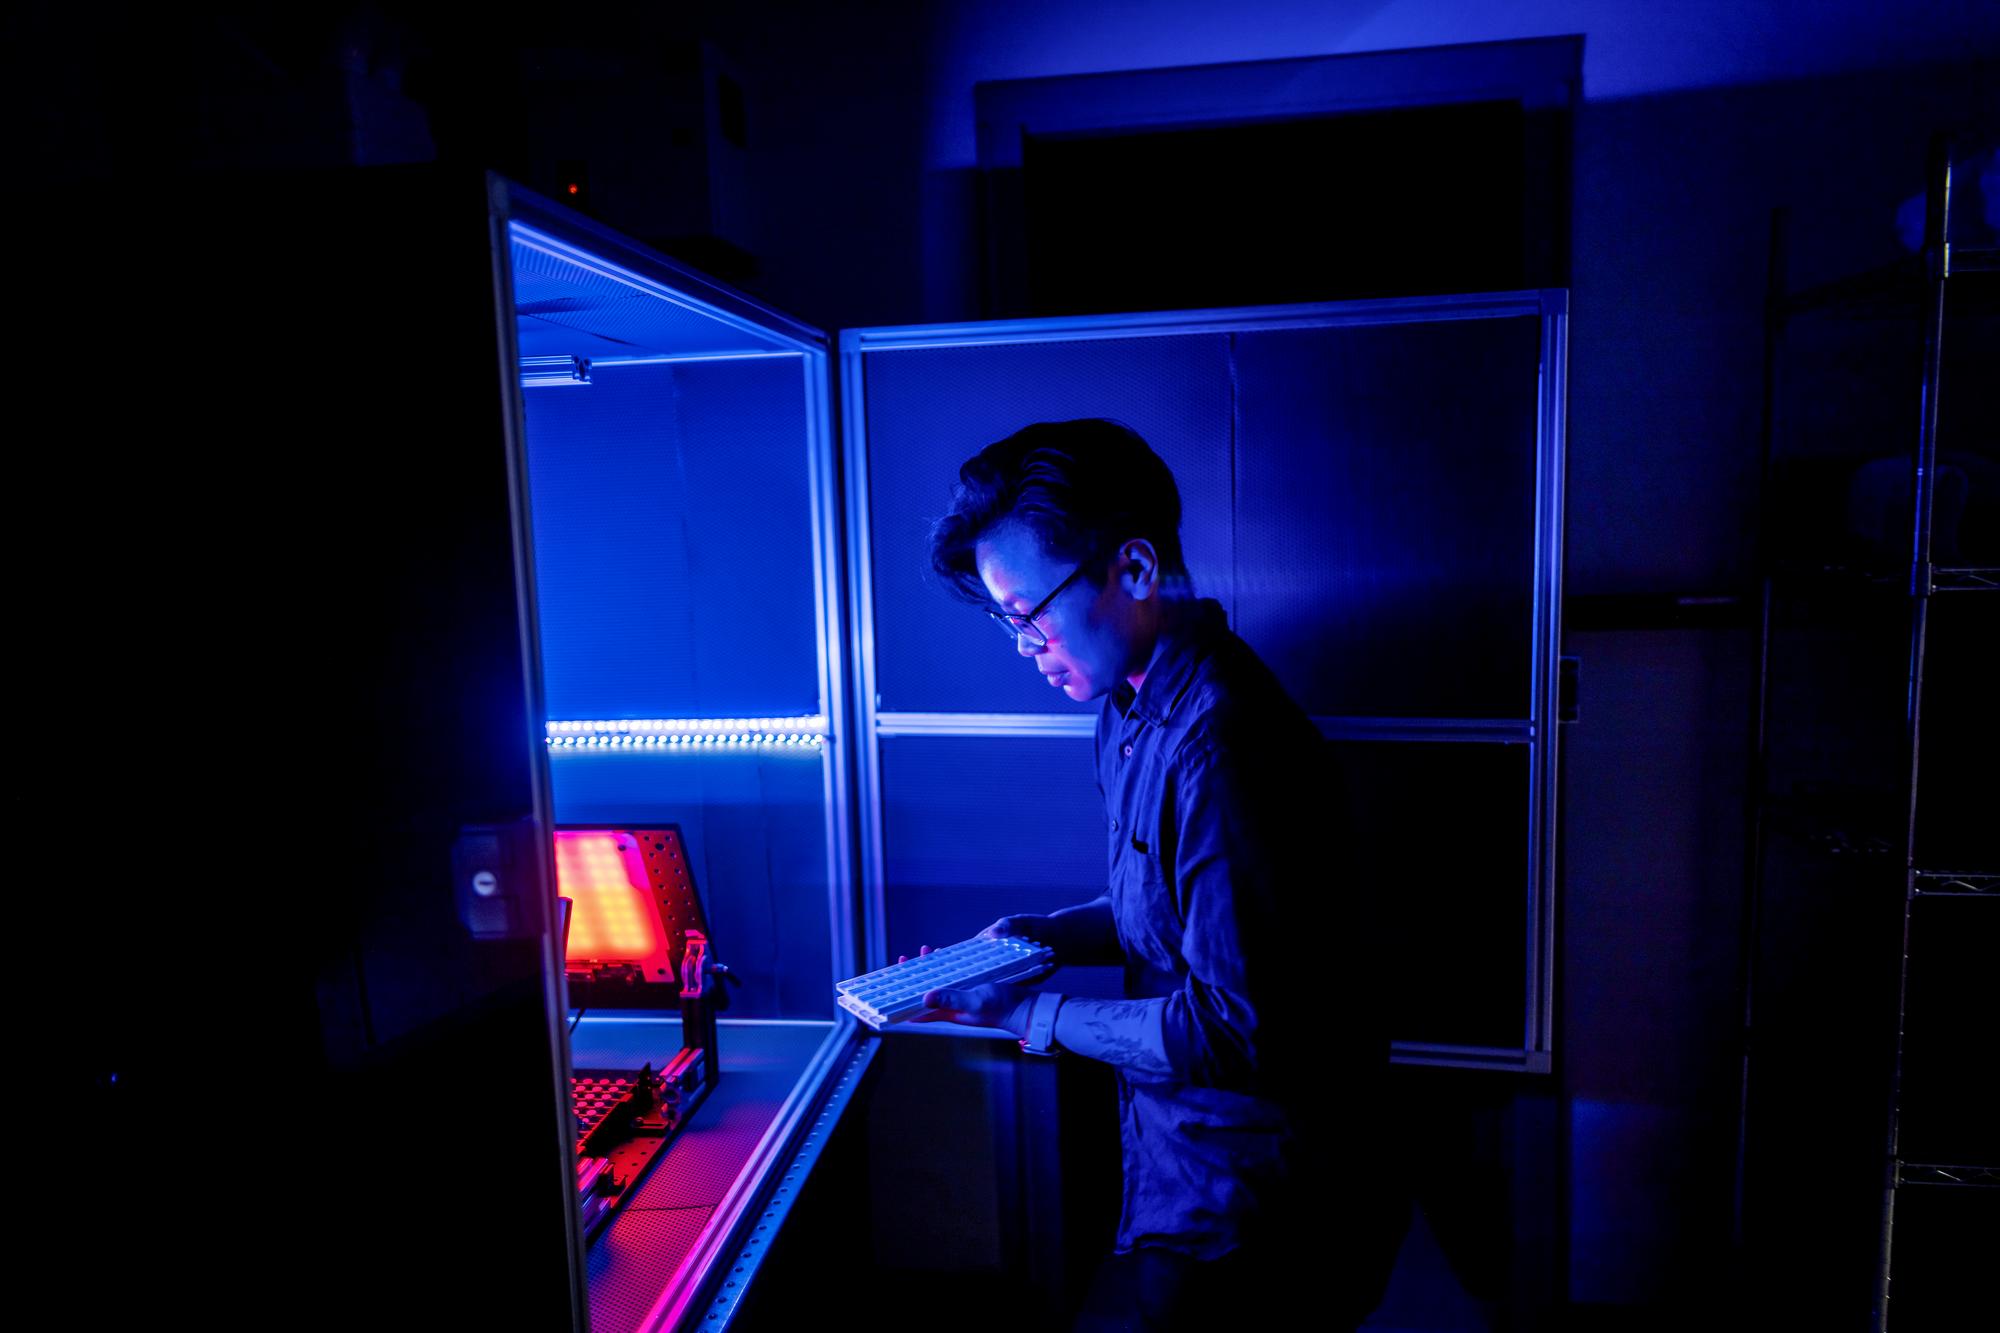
pixel 1373 490
pixel 754 826
pixel 1385 515
pixel 930 409
pixel 980 827
pixel 804 736
pixel 673 541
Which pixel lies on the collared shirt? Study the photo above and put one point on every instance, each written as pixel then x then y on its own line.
pixel 1225 827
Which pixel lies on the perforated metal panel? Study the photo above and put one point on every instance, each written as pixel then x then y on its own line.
pixel 760 1066
pixel 633 1261
pixel 637 1256
pixel 931 409
pixel 563 299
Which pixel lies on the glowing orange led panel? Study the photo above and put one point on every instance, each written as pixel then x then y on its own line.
pixel 614 916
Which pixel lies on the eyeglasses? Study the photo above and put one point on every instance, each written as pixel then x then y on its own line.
pixel 1024 627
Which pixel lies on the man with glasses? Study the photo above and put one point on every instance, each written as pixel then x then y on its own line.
pixel 1248 1049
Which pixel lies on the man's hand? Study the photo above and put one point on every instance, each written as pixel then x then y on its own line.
pixel 1027 927
pixel 1080 935
pixel 998 1004
pixel 1045 930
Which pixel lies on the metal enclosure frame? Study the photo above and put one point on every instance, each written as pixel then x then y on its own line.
pixel 855 723
pixel 522 215
pixel 548 224
pixel 528 607
pixel 1539 731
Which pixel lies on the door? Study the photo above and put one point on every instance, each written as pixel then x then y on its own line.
pixel 1372 490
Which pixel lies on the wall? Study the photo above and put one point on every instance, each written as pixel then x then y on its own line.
pixel 1695 124
pixel 1672 216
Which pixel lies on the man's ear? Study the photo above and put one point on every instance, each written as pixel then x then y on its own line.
pixel 1140 572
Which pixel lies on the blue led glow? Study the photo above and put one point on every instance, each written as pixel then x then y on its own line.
pixel 797 735
pixel 688 358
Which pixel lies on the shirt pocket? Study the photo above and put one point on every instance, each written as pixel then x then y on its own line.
pixel 1149 923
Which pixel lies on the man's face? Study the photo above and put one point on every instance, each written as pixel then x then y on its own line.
pixel 1087 650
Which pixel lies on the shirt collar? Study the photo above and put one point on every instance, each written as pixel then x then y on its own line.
pixel 1184 644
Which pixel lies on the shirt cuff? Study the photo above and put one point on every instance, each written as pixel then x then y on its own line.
pixel 1016 1020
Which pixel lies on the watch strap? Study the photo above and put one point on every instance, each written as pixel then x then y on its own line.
pixel 1041 1036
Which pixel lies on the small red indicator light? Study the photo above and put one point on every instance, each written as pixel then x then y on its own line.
pixel 572 189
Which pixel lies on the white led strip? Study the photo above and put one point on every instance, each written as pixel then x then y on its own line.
pixel 690 734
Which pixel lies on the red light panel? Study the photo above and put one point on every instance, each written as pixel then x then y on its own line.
pixel 614 917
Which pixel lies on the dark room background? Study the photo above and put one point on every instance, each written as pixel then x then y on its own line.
pixel 825 158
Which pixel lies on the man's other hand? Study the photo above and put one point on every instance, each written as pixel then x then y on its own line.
pixel 999 1004
pixel 1045 930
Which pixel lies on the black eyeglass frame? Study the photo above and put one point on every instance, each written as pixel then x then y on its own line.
pixel 1016 626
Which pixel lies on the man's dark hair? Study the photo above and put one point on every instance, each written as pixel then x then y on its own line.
pixel 1080 486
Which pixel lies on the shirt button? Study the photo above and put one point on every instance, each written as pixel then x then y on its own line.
pixel 1114 826
pixel 1128 751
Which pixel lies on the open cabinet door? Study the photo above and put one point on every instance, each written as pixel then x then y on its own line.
pixel 681 477
pixel 1373 491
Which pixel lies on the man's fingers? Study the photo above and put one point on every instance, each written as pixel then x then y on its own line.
pixel 941 1006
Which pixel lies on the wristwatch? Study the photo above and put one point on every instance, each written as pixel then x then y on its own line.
pixel 1041 1038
